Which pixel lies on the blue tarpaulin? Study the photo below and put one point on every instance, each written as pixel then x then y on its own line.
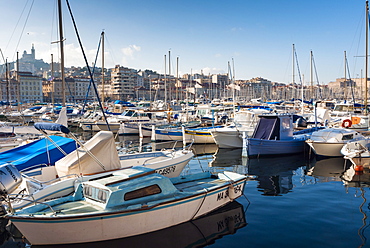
pixel 39 152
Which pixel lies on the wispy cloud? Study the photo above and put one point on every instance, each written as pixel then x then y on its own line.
pixel 130 50
pixel 208 70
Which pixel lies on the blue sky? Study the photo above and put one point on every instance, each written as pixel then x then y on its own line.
pixel 204 34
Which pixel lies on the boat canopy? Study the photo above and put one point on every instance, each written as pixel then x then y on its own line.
pixel 51 127
pixel 267 128
pixel 80 162
pixel 39 152
pixel 274 127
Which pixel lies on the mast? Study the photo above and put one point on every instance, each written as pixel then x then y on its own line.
pixel 345 75
pixel 311 74
pixel 52 80
pixel 18 84
pixel 366 51
pixel 61 40
pixel 293 80
pixel 169 75
pixel 165 81
pixel 102 67
pixel 177 78
pixel 7 80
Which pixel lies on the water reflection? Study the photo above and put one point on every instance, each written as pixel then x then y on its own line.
pixel 359 180
pixel 197 233
pixel 327 169
pixel 275 174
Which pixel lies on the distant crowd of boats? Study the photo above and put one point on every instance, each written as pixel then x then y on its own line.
pixel 55 183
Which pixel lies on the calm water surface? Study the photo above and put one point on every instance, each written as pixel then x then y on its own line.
pixel 289 201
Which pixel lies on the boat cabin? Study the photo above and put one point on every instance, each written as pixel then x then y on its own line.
pixel 127 189
pixel 274 127
pixel 345 109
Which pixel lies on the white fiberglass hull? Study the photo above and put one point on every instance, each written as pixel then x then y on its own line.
pixel 227 138
pixel 82 228
pixel 326 148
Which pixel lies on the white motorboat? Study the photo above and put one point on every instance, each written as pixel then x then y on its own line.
pixel 126 203
pixel 231 136
pixel 329 141
pixel 96 158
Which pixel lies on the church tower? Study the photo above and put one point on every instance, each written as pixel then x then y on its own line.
pixel 33 52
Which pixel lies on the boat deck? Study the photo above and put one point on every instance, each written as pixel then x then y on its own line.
pixel 194 186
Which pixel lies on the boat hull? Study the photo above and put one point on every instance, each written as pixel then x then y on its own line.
pixel 327 149
pixel 170 166
pixel 113 225
pixel 199 137
pixel 257 147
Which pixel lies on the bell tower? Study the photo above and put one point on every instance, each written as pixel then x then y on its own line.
pixel 33 52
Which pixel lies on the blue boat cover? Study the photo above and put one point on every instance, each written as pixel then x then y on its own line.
pixel 39 152
pixel 51 127
pixel 268 128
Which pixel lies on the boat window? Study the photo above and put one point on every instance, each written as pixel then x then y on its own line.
pixel 102 195
pixel 96 194
pixel 87 191
pixel 147 191
pixel 347 137
pixel 285 123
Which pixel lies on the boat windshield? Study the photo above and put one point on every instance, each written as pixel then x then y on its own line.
pixel 96 194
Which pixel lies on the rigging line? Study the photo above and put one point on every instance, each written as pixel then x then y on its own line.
pixel 299 72
pixel 87 65
pixel 317 77
pixel 24 26
pixel 106 39
pixel 88 90
pixel 16 25
pixel 52 24
pixel 349 77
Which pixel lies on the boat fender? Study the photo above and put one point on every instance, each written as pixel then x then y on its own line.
pixel 232 194
pixel 347 123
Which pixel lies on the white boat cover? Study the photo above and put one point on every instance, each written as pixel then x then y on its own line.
pixel 79 162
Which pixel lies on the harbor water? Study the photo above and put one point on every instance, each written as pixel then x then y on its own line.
pixel 289 201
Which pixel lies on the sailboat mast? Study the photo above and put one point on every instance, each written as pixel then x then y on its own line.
pixel 169 75
pixel 311 74
pixel 345 75
pixel 177 78
pixel 52 80
pixel 18 84
pixel 293 80
pixel 102 67
pixel 7 81
pixel 366 51
pixel 165 81
pixel 61 41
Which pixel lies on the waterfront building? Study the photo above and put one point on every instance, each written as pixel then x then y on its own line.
pixel 123 81
pixel 8 90
pixel 30 88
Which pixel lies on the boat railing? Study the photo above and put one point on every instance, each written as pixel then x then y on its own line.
pixel 147 160
pixel 36 166
pixel 16 197
pixel 41 183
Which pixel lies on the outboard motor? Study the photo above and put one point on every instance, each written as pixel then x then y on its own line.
pixel 10 178
pixel 301 122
